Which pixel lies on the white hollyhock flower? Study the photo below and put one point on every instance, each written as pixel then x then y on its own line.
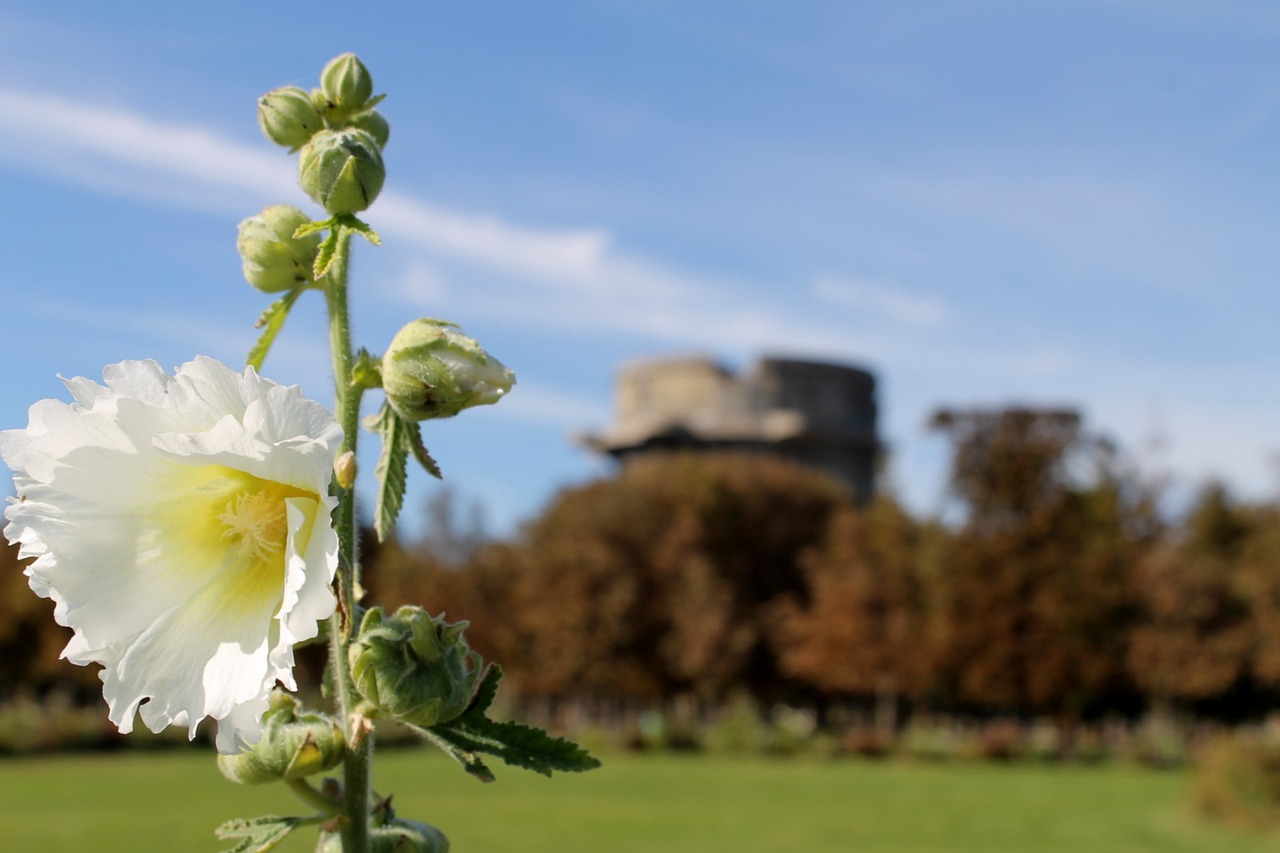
pixel 181 526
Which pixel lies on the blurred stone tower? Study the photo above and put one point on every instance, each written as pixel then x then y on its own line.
pixel 822 415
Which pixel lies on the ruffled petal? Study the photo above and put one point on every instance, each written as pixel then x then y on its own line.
pixel 181 526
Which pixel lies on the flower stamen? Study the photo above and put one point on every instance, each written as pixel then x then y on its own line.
pixel 259 521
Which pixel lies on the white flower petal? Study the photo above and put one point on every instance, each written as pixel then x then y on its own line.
pixel 181 526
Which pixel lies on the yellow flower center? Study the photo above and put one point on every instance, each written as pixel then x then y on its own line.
pixel 258 520
pixel 229 525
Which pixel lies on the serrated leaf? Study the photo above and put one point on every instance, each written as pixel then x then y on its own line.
pixel 390 471
pixel 336 243
pixel 327 252
pixel 518 745
pixel 515 743
pixel 486 691
pixel 257 834
pixel 413 441
pixel 316 227
pixel 459 750
pixel 271 322
pixel 354 224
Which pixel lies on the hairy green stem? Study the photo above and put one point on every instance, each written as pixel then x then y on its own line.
pixel 309 795
pixel 357 766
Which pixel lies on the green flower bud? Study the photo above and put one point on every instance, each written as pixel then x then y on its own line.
pixel 431 370
pixel 342 170
pixel 274 259
pixel 288 117
pixel 414 667
pixel 346 84
pixel 396 836
pixel 372 122
pixel 293 745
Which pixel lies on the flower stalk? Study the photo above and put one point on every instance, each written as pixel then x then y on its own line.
pixel 194 529
pixel 357 773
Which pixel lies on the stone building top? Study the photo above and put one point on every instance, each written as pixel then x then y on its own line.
pixel 820 413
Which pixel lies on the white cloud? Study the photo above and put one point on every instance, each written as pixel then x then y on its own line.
pixel 567 257
pixel 569 279
pixel 581 281
pixel 84 143
pixel 886 301
pixel 87 144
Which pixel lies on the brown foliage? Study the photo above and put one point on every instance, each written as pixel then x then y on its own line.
pixel 657 582
pixel 1006 463
pixel 1196 636
pixel 1260 580
pixel 862 630
pixel 1033 602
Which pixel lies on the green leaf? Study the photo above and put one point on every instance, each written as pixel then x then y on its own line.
pixel 271 322
pixel 353 224
pixel 366 372
pixel 390 471
pixel 401 438
pixel 486 691
pixel 515 743
pixel 413 441
pixel 313 227
pixel 460 749
pixel 338 240
pixel 257 834
pixel 328 251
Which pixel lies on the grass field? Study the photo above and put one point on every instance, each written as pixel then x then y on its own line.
pixel 171 801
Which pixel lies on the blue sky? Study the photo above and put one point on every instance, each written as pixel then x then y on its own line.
pixel 984 202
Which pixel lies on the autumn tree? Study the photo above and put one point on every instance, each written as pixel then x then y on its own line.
pixel 657 582
pixel 1195 638
pixel 1034 602
pixel 860 633
pixel 1260 582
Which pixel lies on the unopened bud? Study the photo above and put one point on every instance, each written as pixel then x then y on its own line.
pixel 346 85
pixel 274 259
pixel 294 744
pixel 373 122
pixel 344 470
pixel 342 170
pixel 431 370
pixel 414 667
pixel 288 117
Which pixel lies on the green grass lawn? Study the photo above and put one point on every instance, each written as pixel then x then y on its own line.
pixel 171 801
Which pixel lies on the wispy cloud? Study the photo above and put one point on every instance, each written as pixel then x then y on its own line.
pixel 576 280
pixel 884 300
pixel 587 282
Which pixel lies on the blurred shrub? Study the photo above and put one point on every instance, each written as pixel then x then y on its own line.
pixel 1238 780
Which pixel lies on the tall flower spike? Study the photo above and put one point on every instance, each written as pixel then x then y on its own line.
pixel 181 526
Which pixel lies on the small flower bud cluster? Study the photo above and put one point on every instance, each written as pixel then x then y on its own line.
pixel 340 133
pixel 431 370
pixel 414 667
pixel 294 744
